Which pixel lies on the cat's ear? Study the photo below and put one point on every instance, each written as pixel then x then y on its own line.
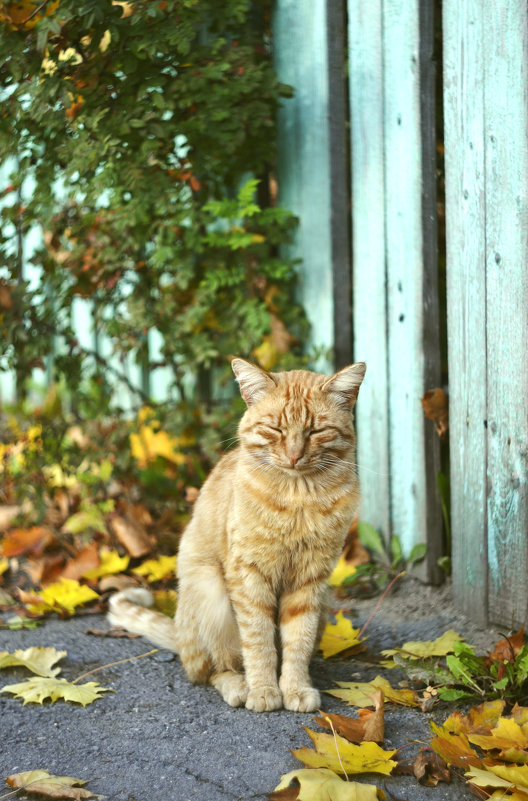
pixel 345 384
pixel 254 383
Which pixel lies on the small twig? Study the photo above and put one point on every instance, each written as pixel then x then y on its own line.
pixel 34 14
pixel 112 664
pixel 394 580
pixel 337 747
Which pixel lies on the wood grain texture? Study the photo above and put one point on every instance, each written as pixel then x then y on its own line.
pixel 368 247
pixel 466 295
pixel 301 60
pixel 394 247
pixel 486 83
pixel 505 42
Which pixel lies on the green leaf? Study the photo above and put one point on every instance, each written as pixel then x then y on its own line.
pixel 396 551
pixel 371 538
pixel 418 553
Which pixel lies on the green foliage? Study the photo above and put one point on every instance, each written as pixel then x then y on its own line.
pixel 132 128
pixel 486 677
pixel 387 560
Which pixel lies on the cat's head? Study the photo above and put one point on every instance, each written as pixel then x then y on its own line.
pixel 298 421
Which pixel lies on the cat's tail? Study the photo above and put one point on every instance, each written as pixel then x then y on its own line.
pixel 130 609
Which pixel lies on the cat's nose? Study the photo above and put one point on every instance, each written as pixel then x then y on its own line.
pixel 294 459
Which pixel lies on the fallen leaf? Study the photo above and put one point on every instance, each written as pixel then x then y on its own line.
pixel 38 689
pixel 87 559
pixel 20 541
pixel 132 534
pixel 8 512
pixel 368 727
pixel 508 648
pixel 341 571
pixel 321 785
pixel 4 565
pixel 119 582
pixel 112 633
pixel 417 649
pixel 336 753
pixel 65 594
pixel 429 768
pixel 44 783
pixel 360 693
pixel 339 636
pixel 110 564
pixel 148 444
pixel 88 518
pixel 436 407
pixel 480 719
pixel 38 660
pixel 454 748
pixel 156 569
pixel 485 778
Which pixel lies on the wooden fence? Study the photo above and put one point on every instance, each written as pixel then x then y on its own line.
pixel 390 223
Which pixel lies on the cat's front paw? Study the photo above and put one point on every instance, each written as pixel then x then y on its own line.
pixel 264 699
pixel 301 699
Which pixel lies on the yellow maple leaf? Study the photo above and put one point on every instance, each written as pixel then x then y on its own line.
pixel 4 565
pixel 417 649
pixel 360 693
pixel 341 756
pixel 110 563
pixel 38 689
pixel 156 569
pixel 506 734
pixel 150 443
pixel 64 594
pixel 44 783
pixel 516 774
pixel 321 784
pixel 339 636
pixel 38 660
pixel 342 571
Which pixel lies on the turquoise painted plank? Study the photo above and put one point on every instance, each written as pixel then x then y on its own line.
pixel 368 247
pixel 301 60
pixel 466 298
pixel 404 265
pixel 465 220
pixel 505 42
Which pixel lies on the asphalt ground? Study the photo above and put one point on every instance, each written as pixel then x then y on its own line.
pixel 158 738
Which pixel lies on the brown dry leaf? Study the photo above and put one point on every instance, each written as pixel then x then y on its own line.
pixel 45 569
pixel 112 633
pixel 132 534
pixel 429 769
pixel 368 727
pixel 8 512
pixel 44 783
pixel 353 551
pixel 119 582
pixel 480 720
pixel 436 407
pixel 508 648
pixel 20 541
pixel 454 748
pixel 87 559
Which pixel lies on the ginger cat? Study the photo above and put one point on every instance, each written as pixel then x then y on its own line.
pixel 266 532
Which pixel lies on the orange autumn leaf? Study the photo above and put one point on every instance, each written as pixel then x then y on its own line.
pixel 369 726
pixel 20 541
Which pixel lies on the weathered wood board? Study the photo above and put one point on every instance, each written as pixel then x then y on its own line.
pixel 301 60
pixel 486 121
pixel 395 299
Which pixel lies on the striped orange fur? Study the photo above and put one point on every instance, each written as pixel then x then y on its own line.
pixel 267 529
